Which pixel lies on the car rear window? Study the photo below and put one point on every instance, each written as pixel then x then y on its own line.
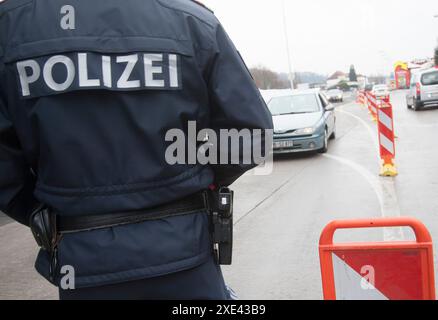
pixel 429 79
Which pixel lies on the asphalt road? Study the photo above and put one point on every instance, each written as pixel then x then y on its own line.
pixel 276 251
pixel 279 217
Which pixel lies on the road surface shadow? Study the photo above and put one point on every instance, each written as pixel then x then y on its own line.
pixel 4 219
pixel 295 156
pixel 424 109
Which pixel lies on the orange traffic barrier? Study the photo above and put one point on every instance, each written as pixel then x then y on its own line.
pixel 372 103
pixel 401 270
pixel 386 138
pixel 360 97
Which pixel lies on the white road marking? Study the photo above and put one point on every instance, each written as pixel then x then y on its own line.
pixel 385 191
pixel 371 132
pixel 384 188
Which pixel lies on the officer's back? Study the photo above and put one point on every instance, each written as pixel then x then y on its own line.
pixel 89 90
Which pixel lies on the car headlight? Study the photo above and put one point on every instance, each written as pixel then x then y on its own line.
pixel 305 131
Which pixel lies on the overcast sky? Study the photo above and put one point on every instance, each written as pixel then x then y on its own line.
pixel 330 35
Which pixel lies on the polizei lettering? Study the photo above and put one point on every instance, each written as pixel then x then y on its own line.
pixel 81 71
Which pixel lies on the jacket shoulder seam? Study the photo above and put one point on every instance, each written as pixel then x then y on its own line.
pixel 11 5
pixel 211 25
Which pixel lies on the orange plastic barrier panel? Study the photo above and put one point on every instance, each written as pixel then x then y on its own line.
pixel 360 97
pixel 377 271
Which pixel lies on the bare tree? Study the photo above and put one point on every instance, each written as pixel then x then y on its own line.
pixel 267 79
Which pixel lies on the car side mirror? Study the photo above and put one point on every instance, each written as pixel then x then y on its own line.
pixel 329 107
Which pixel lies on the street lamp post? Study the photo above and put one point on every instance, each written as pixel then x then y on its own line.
pixel 286 35
pixel 436 48
pixel 386 61
pixel 436 17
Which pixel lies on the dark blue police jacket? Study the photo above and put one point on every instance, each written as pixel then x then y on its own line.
pixel 88 90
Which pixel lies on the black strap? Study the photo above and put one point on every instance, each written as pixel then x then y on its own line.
pixel 190 205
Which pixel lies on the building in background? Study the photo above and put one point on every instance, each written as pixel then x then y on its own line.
pixel 340 78
pixel 336 78
pixel 362 81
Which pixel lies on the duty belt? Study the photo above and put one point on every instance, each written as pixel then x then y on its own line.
pixel 48 226
pixel 189 205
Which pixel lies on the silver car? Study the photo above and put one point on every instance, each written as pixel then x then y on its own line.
pixel 335 95
pixel 303 121
pixel 380 91
pixel 424 89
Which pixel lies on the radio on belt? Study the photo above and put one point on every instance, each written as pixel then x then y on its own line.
pixel 222 220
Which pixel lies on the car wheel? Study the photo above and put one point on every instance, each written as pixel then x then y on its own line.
pixel 416 105
pixel 324 149
pixel 333 136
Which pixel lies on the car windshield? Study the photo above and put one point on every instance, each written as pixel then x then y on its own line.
pixel 429 79
pixel 334 92
pixel 303 103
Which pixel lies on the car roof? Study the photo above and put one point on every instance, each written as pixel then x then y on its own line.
pixel 288 92
pixel 268 95
pixel 426 71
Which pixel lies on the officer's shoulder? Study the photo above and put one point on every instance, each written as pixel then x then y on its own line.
pixel 192 7
pixel 8 5
pixel 199 3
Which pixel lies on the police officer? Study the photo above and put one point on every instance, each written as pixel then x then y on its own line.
pixel 88 90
